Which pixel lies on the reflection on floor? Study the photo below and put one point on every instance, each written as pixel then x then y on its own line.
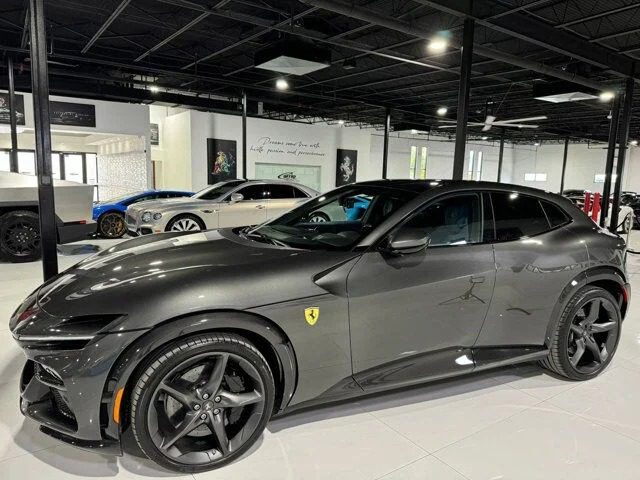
pixel 515 423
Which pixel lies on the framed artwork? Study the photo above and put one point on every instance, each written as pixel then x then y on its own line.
pixel 155 134
pixel 346 166
pixel 75 114
pixel 5 112
pixel 221 160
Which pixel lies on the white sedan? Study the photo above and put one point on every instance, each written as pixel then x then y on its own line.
pixel 234 203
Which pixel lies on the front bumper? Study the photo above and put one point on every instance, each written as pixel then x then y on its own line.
pixel 65 387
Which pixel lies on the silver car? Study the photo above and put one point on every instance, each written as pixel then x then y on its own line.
pixel 234 203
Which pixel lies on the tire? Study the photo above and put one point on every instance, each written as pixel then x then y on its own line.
pixel 565 340
pixel 111 225
pixel 20 236
pixel 319 217
pixel 185 223
pixel 150 402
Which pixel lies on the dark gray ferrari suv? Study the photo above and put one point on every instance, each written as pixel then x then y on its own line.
pixel 192 342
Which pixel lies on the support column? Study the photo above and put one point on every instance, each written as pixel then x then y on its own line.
pixel 564 164
pixel 13 156
pixel 463 99
pixel 244 135
pixel 611 153
pixel 501 155
pixel 40 88
pixel 385 151
pixel 622 152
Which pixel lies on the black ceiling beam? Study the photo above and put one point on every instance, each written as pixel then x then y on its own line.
pixel 615 35
pixel 595 16
pixel 173 36
pixel 107 23
pixel 524 27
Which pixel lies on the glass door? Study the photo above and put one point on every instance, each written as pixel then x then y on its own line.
pixel 74 167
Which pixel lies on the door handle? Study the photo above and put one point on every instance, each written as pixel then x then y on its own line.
pixel 259 207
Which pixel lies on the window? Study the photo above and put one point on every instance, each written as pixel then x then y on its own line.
pixel 517 216
pixel 297 193
pixel 280 191
pixel 27 163
pixel 474 172
pixel 5 161
pixel 555 215
pixel 535 177
pixel 418 163
pixel 602 177
pixel 450 221
pixel 255 192
pixel 55 166
pixel 217 190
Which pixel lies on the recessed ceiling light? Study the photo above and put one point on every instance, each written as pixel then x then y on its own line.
pixel 154 89
pixel 485 138
pixel 442 111
pixel 282 84
pixel 437 45
pixel 607 95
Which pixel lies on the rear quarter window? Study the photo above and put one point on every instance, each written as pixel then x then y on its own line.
pixel 517 216
pixel 555 214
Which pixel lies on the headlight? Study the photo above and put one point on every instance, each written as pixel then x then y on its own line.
pixel 157 216
pixel 146 217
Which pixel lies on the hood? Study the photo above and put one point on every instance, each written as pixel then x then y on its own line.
pixel 172 274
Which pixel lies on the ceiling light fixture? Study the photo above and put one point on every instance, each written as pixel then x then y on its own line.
pixel 340 122
pixel 154 89
pixel 438 44
pixel 414 131
pixel 282 84
pixel 536 144
pixel 607 95
pixel 442 111
pixel 634 143
pixel 485 138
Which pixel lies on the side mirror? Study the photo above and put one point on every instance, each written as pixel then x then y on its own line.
pixel 236 197
pixel 408 241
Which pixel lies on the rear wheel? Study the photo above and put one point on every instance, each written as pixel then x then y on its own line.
pixel 587 335
pixel 20 236
pixel 318 217
pixel 111 225
pixel 202 402
pixel 185 223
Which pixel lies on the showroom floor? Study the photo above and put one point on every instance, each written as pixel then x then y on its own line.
pixel 515 423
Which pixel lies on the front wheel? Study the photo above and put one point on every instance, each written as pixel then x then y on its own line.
pixel 318 217
pixel 586 336
pixel 20 236
pixel 202 402
pixel 185 223
pixel 111 225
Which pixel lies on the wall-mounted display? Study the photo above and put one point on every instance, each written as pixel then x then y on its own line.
pixel 221 160
pixel 346 166
pixel 154 130
pixel 73 114
pixel 5 112
pixel 308 175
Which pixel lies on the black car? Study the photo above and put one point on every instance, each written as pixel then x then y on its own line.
pixel 194 341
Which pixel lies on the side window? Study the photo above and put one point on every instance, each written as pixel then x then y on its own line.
pixel 280 191
pixel 451 221
pixel 254 192
pixel 517 216
pixel 555 214
pixel 299 193
pixel 144 198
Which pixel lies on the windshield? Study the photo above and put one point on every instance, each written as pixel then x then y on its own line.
pixel 122 198
pixel 337 220
pixel 217 190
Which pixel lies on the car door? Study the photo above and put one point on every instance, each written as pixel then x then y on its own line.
pixel 414 317
pixel 251 210
pixel 537 256
pixel 282 198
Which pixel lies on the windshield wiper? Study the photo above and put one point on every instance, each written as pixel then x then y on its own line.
pixel 247 233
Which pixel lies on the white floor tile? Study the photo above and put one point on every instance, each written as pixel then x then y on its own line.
pixel 427 468
pixel 11 360
pixel 545 443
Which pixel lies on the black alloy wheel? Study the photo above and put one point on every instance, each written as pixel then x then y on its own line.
pixel 111 225
pixel 202 402
pixel 20 236
pixel 587 335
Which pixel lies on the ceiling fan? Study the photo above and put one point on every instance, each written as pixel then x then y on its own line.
pixel 490 121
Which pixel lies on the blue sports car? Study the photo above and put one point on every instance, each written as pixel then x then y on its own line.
pixel 110 214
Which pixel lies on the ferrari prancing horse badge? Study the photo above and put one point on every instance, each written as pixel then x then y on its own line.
pixel 311 315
